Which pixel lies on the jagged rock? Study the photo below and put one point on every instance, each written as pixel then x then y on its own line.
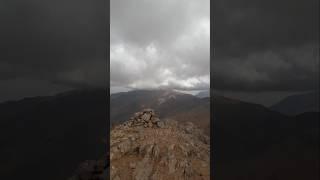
pixel 160 124
pixel 154 119
pixel 141 149
pixel 150 148
pixel 184 150
pixel 124 146
pixel 171 147
pixel 143 170
pixel 146 117
pixel 188 171
pixel 156 175
pixel 132 165
pixel 150 124
pixel 172 164
pixel 155 151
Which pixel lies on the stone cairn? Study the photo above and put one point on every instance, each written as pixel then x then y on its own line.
pixel 147 148
pixel 146 118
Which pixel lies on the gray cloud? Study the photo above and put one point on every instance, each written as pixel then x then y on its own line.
pixel 59 43
pixel 292 69
pixel 265 45
pixel 157 44
pixel 51 37
pixel 259 45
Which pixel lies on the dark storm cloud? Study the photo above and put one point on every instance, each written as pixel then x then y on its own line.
pixel 60 42
pixel 265 45
pixel 255 25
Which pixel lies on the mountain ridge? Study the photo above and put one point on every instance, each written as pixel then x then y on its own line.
pixel 72 126
pixel 146 147
pixel 298 103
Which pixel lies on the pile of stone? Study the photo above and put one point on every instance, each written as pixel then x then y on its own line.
pixel 147 148
pixel 146 118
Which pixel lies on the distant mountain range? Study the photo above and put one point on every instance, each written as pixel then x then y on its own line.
pixel 167 103
pixel 297 104
pixel 250 141
pixel 291 105
pixel 47 137
pixel 203 94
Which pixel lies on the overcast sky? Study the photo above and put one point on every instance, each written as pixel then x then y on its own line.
pixel 266 45
pixel 160 44
pixel 263 48
pixel 51 46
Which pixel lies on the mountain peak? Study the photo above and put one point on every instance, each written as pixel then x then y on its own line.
pixel 298 103
pixel 146 118
pixel 150 148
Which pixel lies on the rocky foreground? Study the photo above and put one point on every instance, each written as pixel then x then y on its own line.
pixel 146 147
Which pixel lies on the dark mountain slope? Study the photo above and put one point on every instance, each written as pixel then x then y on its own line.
pixel 51 135
pixel 297 104
pixel 247 125
pixel 308 127
pixel 47 137
pixel 253 142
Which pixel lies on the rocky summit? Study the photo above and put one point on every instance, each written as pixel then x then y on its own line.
pixel 145 147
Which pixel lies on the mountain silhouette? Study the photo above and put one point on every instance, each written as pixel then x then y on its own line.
pixel 47 137
pixel 251 141
pixel 297 104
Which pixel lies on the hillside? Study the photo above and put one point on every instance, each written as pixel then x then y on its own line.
pixel 145 147
pixel 70 128
pixel 298 104
pixel 55 134
pixel 169 104
pixel 253 142
pixel 51 135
